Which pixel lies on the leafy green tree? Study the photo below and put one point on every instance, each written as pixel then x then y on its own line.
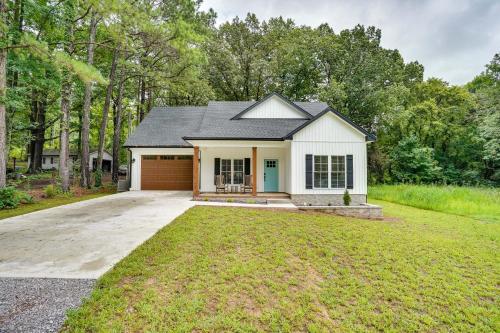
pixel 486 88
pixel 411 162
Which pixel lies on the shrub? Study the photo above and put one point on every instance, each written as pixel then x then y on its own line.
pixel 50 191
pixel 230 200
pixel 25 198
pixel 98 178
pixel 9 198
pixel 347 198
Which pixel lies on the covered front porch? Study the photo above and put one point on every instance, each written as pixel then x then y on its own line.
pixel 265 163
pixel 239 195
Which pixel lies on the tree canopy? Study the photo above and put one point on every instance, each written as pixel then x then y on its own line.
pixel 81 75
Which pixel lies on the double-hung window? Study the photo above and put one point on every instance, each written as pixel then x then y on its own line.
pixel 225 170
pixel 337 176
pixel 329 171
pixel 321 171
pixel 237 171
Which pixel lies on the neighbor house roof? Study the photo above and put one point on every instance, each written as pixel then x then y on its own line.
pixel 55 152
pixel 173 126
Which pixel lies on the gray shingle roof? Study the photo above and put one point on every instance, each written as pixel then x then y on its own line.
pixel 55 152
pixel 167 126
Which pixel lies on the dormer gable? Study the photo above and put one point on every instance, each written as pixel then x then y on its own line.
pixel 273 106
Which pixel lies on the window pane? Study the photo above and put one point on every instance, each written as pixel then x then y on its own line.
pixel 184 157
pixel 147 157
pixel 321 171
pixel 167 157
pixel 225 170
pixel 338 172
pixel 238 172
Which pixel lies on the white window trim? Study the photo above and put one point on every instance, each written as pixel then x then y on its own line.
pixel 232 169
pixel 330 173
pixel 242 170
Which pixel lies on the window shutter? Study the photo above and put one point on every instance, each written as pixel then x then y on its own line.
pixel 349 172
pixel 247 166
pixel 216 168
pixel 309 171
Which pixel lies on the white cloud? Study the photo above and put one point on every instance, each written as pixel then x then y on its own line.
pixel 453 39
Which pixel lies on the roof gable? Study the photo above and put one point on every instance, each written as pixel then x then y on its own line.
pixel 273 106
pixel 334 131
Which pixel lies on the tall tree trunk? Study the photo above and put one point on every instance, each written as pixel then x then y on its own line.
pixel 3 86
pixel 138 114
pixel 64 139
pixel 66 87
pixel 143 99
pixel 84 167
pixel 38 111
pixel 105 110
pixel 117 122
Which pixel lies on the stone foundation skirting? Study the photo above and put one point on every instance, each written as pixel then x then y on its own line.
pixel 326 199
pixel 366 211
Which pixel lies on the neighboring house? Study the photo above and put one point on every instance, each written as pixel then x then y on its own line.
pixel 305 149
pixel 107 161
pixel 50 160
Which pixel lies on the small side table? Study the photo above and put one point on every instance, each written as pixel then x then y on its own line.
pixel 235 188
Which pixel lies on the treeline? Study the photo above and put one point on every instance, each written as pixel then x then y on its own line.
pixel 428 131
pixel 81 75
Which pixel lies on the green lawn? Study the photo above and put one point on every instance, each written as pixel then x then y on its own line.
pixel 47 203
pixel 477 202
pixel 246 270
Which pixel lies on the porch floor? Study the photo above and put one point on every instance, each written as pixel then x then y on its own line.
pixel 261 195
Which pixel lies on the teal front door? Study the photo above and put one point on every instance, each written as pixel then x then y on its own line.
pixel 271 176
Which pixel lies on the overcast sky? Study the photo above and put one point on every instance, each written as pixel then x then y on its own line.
pixel 453 39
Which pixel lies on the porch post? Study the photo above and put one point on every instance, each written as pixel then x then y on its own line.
pixel 196 172
pixel 254 171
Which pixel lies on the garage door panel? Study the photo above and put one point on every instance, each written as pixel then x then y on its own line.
pixel 167 172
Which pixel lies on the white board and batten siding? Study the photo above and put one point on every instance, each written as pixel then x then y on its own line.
pixel 328 135
pixel 274 107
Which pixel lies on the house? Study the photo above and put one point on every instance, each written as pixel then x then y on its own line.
pixel 50 160
pixel 304 149
pixel 107 161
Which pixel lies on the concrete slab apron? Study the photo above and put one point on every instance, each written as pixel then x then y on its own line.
pixel 85 239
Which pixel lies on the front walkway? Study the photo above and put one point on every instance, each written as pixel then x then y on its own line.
pixel 85 239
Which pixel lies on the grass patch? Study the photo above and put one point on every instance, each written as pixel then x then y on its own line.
pixel 48 203
pixel 480 203
pixel 224 269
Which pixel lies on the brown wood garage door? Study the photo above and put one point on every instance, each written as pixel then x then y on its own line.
pixel 167 172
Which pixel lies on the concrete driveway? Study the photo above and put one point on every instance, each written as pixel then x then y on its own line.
pixel 85 239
